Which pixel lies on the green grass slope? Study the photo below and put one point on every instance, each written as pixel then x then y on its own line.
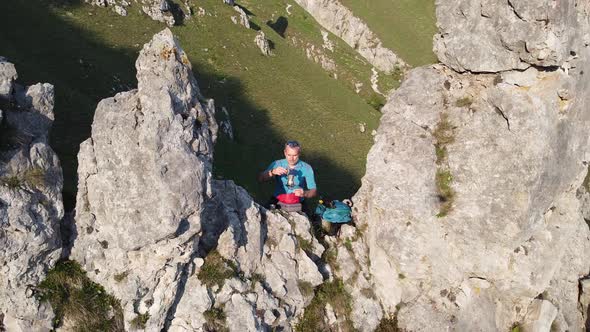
pixel 404 26
pixel 88 53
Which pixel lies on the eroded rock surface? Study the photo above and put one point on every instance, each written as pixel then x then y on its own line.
pixel 339 20
pixel 143 177
pixel 31 204
pixel 470 196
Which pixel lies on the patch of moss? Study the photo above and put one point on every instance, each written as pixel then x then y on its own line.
pixel 215 270
pixel 82 302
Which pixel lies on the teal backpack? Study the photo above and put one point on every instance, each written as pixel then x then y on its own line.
pixel 337 212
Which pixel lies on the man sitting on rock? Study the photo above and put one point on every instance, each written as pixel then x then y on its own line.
pixel 294 178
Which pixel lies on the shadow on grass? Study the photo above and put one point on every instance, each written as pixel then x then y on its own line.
pixel 45 46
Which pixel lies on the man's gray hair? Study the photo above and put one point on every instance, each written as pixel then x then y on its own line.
pixel 292 144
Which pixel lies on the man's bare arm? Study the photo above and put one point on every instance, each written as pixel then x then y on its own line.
pixel 310 193
pixel 265 176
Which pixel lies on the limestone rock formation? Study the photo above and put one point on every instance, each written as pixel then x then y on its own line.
pixel 31 204
pixel 262 43
pixel 268 288
pixel 243 17
pixel 339 20
pixel 470 196
pixel 159 10
pixel 492 36
pixel 143 177
pixel 149 218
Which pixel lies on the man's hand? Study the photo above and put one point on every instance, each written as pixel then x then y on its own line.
pixel 299 192
pixel 279 171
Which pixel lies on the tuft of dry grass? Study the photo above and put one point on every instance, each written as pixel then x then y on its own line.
pixel 388 324
pixel 464 102
pixel 305 287
pixel 75 298
pixel 446 194
pixel 444 135
pixel 140 321
pixel 215 270
pixel 35 177
pixel 215 318
pixel 332 292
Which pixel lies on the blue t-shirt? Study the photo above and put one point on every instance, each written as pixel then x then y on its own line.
pixel 303 177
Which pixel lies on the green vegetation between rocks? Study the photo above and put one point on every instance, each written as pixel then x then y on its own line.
pixel 33 177
pixel 331 292
pixel 464 102
pixel 388 324
pixel 77 301
pixel 140 321
pixel 215 270
pixel 303 244
pixel 215 318
pixel 404 26
pixel 444 135
pixel 446 194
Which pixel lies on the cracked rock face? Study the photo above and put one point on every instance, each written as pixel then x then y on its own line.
pixel 143 177
pixel 493 35
pixel 470 196
pixel 31 205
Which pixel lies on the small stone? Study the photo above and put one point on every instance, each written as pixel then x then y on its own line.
pixel 262 43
